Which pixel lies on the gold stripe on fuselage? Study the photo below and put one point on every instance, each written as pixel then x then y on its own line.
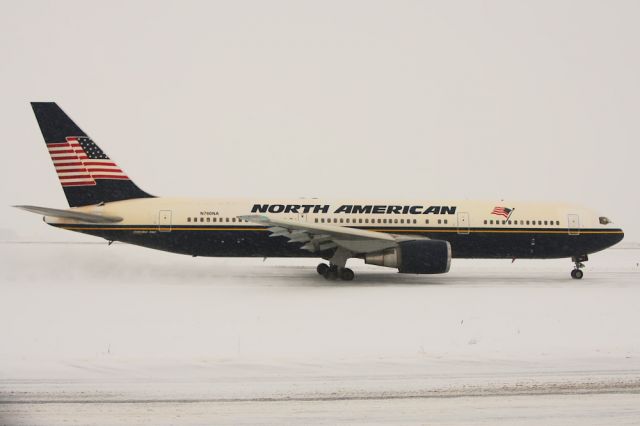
pixel 388 230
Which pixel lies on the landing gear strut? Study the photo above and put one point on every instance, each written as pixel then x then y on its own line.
pixel 333 272
pixel 577 273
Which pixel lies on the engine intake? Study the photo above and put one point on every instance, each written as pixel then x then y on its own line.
pixel 415 257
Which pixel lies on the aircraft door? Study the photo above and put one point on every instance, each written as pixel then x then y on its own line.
pixel 463 223
pixel 164 221
pixel 574 224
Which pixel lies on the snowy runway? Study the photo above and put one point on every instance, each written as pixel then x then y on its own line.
pixel 123 335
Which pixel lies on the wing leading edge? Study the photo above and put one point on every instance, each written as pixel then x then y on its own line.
pixel 319 237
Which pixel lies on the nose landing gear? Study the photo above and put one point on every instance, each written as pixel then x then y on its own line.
pixel 577 273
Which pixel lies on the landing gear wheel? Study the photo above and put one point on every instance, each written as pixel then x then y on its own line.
pixel 331 273
pixel 577 274
pixel 322 268
pixel 347 274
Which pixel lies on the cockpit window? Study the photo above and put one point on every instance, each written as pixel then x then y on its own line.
pixel 604 220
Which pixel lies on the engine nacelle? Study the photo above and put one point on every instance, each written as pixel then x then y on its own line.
pixel 415 257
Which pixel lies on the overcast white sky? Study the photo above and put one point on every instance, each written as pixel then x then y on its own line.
pixel 397 99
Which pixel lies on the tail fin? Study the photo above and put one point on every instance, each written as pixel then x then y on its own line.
pixel 88 176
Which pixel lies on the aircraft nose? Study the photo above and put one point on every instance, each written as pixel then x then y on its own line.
pixel 609 239
pixel 614 238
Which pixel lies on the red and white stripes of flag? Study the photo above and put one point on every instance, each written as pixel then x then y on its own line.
pixel 502 211
pixel 75 168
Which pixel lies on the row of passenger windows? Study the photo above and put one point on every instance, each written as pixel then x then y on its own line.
pixel 383 221
pixel 215 219
pixel 348 220
pixel 522 222
pixel 318 220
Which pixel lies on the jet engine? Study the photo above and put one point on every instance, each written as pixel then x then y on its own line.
pixel 415 257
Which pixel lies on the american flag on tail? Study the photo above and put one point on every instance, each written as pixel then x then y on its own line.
pixel 79 162
pixel 502 211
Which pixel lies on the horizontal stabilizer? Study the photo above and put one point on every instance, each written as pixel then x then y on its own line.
pixel 71 214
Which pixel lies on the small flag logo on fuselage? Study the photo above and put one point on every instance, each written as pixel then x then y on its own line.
pixel 502 211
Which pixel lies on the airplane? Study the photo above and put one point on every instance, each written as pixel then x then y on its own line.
pixel 414 237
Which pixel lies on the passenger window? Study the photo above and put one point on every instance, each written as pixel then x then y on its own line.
pixel 545 222
pixel 426 221
pixel 316 220
pixel 401 220
pixel 539 222
pixel 202 219
pixel 379 220
pixel 439 221
pixel 366 221
pixel 414 221
pixel 491 222
pixel 347 220
pixel 341 220
pixel 359 220
pixel 509 222
pixel 208 219
pixel 557 222
pixel 335 220
pixel 445 221
pixel 214 220
pixel 395 220
pixel 188 219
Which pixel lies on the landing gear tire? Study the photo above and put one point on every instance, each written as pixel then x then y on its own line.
pixel 331 273
pixel 577 273
pixel 322 268
pixel 347 274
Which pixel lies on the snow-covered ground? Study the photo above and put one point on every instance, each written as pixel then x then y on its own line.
pixel 92 334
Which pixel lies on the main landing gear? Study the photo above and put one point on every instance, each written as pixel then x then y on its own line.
pixel 577 273
pixel 333 272
pixel 337 266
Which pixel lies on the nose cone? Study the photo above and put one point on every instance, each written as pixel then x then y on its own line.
pixel 612 238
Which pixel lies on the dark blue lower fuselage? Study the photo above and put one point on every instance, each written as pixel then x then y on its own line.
pixel 235 241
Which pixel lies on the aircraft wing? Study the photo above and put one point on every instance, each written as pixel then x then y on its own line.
pixel 71 214
pixel 319 237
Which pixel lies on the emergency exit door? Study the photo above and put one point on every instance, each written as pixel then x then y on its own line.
pixel 574 224
pixel 463 223
pixel 164 221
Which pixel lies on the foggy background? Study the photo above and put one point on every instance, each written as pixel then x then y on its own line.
pixel 390 100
